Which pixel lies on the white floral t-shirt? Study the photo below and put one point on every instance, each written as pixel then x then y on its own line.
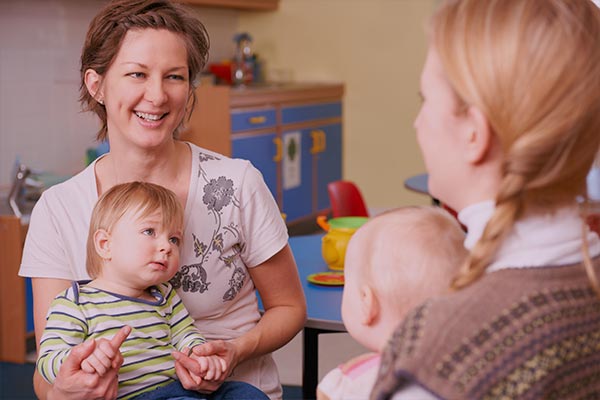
pixel 232 223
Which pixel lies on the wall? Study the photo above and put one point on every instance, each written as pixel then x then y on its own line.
pixel 377 48
pixel 40 45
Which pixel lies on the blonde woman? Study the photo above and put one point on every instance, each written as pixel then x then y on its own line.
pixel 509 128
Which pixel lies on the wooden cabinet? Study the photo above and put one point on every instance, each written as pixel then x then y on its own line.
pixel 261 5
pixel 291 133
pixel 15 302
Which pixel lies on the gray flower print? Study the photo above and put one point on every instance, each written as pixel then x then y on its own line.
pixel 218 193
pixel 190 281
pixel 207 157
pixel 235 284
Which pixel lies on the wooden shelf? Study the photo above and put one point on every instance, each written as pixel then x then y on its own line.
pixel 259 5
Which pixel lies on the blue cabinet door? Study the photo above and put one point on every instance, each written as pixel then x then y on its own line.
pixel 328 162
pixel 297 174
pixel 260 150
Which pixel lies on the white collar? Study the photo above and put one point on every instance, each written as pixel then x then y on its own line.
pixel 537 241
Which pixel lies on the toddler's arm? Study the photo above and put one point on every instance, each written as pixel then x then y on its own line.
pixel 65 328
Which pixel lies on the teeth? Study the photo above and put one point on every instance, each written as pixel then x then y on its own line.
pixel 149 117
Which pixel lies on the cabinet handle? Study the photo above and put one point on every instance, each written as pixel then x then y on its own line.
pixel 319 141
pixel 278 149
pixel 314 149
pixel 259 119
pixel 323 140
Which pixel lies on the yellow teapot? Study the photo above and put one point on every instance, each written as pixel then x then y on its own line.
pixel 339 230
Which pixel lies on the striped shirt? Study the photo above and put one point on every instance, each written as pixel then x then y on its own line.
pixel 157 328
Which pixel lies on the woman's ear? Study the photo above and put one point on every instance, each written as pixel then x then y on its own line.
pixel 479 136
pixel 102 244
pixel 369 306
pixel 93 83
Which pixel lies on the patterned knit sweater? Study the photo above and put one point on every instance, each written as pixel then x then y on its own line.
pixel 515 334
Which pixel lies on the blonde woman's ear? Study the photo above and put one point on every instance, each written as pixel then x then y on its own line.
pixel 478 136
pixel 102 244
pixel 369 306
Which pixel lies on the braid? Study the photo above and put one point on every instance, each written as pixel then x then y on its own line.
pixel 509 206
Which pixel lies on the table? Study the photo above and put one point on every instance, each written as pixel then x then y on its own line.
pixel 417 183
pixel 420 184
pixel 323 307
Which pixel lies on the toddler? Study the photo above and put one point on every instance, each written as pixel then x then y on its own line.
pixel 394 262
pixel 133 246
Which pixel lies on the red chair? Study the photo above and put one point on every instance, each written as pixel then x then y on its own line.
pixel 346 200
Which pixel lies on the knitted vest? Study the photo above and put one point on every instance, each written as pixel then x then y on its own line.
pixel 515 334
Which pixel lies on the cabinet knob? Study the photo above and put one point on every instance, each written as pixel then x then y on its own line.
pixel 257 120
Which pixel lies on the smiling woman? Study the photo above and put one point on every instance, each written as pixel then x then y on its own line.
pixel 145 90
pixel 139 64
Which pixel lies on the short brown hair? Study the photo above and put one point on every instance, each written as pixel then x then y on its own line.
pixel 108 28
pixel 141 197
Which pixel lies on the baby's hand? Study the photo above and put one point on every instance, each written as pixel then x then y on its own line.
pixel 102 359
pixel 211 367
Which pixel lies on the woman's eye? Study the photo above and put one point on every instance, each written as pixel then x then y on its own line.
pixel 137 74
pixel 148 232
pixel 175 240
pixel 176 77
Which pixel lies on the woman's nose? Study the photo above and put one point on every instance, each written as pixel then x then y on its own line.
pixel 155 91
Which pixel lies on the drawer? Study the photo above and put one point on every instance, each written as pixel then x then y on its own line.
pixel 290 115
pixel 244 120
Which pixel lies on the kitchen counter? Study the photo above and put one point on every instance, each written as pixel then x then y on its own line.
pixel 269 93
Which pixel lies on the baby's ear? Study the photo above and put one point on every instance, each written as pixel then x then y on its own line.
pixel 102 243
pixel 369 305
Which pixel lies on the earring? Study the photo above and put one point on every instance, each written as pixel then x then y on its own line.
pixel 101 102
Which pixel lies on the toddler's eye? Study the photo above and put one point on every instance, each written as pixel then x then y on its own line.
pixel 175 240
pixel 148 232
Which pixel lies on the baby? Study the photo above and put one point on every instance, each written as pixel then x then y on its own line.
pixel 133 246
pixel 394 262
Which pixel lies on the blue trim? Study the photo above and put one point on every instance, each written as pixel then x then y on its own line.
pixel 311 112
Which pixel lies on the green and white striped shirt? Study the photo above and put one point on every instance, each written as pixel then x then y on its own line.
pixel 157 328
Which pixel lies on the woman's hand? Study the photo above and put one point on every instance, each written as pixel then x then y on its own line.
pixel 190 372
pixel 74 383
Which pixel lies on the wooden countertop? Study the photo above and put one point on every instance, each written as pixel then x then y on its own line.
pixel 241 96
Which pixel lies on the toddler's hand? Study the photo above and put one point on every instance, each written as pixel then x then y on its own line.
pixel 211 367
pixel 105 354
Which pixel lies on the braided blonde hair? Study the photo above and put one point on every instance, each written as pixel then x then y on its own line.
pixel 533 68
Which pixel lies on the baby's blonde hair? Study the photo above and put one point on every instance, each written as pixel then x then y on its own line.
pixel 409 254
pixel 533 68
pixel 140 198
